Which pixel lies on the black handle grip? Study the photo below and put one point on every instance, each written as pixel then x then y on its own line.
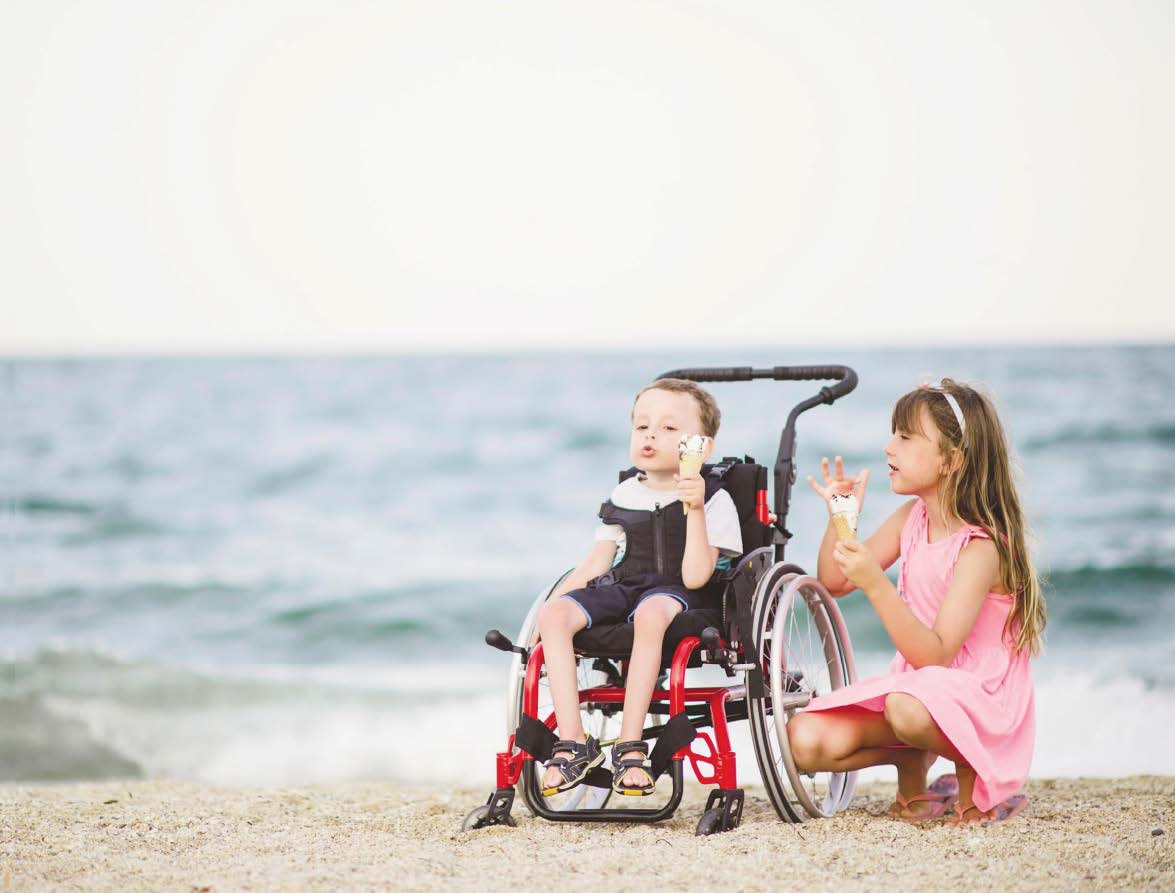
pixel 845 378
pixel 495 639
pixel 733 373
pixel 711 638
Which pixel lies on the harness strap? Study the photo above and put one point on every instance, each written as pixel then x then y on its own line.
pixel 535 738
pixel 676 734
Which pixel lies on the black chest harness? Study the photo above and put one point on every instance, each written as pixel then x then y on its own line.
pixel 655 540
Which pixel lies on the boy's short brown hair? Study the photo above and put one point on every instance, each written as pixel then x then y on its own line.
pixel 707 406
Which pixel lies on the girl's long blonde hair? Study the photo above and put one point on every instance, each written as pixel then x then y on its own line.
pixel 980 490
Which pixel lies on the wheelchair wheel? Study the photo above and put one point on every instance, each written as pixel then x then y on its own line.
pixel 602 722
pixel 805 652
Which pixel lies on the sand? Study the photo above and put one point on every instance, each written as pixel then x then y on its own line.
pixel 1077 834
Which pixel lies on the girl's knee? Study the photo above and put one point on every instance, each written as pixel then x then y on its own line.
pixel 804 740
pixel 906 715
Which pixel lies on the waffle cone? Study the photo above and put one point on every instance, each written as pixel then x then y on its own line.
pixel 844 527
pixel 690 463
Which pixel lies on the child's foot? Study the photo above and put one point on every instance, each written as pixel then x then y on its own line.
pixel 570 764
pixel 1001 812
pixel 934 803
pixel 632 773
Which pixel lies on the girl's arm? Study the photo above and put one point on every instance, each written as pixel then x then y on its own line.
pixel 884 545
pixel 599 560
pixel 976 574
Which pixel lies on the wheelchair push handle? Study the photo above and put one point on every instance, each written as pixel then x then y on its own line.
pixel 785 470
pixel 845 378
pixel 495 639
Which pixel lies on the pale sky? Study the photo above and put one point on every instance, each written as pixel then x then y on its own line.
pixel 280 175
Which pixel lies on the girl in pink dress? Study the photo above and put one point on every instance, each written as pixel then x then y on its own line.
pixel 966 616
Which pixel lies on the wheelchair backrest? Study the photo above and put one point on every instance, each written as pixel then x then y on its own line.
pixel 746 482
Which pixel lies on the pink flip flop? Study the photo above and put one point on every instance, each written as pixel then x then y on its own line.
pixel 946 785
pixel 939 803
pixel 1001 812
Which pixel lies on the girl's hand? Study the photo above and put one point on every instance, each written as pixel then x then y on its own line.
pixel 837 483
pixel 858 564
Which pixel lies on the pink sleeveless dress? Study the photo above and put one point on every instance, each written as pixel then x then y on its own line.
pixel 983 700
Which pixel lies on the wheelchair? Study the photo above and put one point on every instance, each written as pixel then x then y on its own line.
pixel 772 628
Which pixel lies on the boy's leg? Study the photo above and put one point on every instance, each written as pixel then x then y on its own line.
pixel 559 620
pixel 650 620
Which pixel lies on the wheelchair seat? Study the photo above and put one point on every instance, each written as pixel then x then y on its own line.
pixel 614 641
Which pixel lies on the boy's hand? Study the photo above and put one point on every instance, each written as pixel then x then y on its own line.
pixel 858 564
pixel 691 489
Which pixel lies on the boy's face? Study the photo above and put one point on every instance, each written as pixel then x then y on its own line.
pixel 659 418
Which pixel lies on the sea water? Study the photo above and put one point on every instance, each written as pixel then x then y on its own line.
pixel 280 570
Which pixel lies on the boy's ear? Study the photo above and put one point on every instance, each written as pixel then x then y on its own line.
pixel 709 448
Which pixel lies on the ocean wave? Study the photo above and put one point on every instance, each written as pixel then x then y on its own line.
pixel 1162 433
pixel 1134 575
pixel 40 744
pixel 113 525
pixel 283 479
pixel 148 594
pixel 292 725
pixel 39 504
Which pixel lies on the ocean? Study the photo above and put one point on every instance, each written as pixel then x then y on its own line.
pixel 279 570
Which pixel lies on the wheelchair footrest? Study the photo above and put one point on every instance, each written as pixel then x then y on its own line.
pixel 724 811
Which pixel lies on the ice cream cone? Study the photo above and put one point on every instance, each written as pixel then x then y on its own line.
pixel 691 453
pixel 845 507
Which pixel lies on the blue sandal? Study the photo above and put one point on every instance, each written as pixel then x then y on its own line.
pixel 621 765
pixel 575 768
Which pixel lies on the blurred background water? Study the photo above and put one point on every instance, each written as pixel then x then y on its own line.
pixel 279 570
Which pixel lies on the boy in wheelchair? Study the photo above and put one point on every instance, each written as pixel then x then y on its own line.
pixel 668 557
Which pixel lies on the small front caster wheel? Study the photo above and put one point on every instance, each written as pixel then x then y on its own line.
pixel 709 823
pixel 478 819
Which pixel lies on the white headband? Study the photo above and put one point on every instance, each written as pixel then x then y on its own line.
pixel 954 404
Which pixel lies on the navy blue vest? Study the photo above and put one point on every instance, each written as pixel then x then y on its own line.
pixel 655 540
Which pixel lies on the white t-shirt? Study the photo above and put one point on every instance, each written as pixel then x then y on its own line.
pixel 722 527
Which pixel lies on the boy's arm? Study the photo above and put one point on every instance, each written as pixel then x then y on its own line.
pixel 700 558
pixel 599 560
pixel 885 546
pixel 697 565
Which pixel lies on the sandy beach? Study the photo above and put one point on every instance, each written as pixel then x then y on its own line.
pixel 161 835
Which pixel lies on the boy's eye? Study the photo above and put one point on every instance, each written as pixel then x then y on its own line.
pixel 670 428
pixel 641 427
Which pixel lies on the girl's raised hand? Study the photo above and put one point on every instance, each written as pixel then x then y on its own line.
pixel 836 483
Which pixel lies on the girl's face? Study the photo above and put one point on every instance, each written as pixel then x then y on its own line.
pixel 659 418
pixel 915 463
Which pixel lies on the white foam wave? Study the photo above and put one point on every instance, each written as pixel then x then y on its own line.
pixel 1088 724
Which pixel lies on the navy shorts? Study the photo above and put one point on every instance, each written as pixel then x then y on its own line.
pixel 617 602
